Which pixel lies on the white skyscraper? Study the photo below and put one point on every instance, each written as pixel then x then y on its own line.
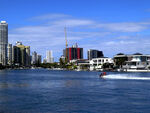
pixel 3 42
pixel 49 57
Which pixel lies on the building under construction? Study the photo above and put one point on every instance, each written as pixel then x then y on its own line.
pixel 73 53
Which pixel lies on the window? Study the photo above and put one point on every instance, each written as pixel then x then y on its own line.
pixel 99 60
pixel 94 60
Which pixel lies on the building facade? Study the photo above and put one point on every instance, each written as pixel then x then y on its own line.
pixel 3 42
pixel 49 57
pixel 9 54
pixel 97 63
pixel 94 54
pixel 21 55
pixel 73 53
pixel 39 59
pixel 133 62
pixel 34 58
pixel 44 61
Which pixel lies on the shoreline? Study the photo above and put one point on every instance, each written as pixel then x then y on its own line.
pixel 64 69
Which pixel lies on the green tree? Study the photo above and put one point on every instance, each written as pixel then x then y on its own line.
pixel 107 65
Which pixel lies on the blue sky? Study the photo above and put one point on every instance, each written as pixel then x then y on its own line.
pixel 112 26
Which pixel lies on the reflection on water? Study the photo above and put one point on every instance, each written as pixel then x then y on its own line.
pixel 9 80
pixel 72 83
pixel 10 85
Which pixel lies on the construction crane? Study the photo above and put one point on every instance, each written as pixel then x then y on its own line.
pixel 66 44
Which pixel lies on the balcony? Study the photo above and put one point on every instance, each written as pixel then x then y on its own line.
pixel 136 60
pixel 134 67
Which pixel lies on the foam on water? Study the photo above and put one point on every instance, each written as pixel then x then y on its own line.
pixel 123 76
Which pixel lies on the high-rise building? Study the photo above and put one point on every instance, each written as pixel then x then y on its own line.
pixel 94 54
pixel 9 54
pixel 21 54
pixel 49 57
pixel 34 58
pixel 73 53
pixel 3 42
pixel 39 59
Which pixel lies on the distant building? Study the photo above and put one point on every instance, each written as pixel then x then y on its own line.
pixel 44 61
pixel 39 59
pixel 82 64
pixel 49 57
pixel 34 58
pixel 18 43
pixel 133 62
pixel 120 59
pixel 21 55
pixel 73 53
pixel 9 54
pixel 3 42
pixel 97 63
pixel 94 54
pixel 62 58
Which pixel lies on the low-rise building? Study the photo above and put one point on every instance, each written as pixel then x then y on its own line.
pixel 133 62
pixel 97 63
pixel 82 64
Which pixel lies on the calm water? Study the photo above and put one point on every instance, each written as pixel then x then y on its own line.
pixel 36 91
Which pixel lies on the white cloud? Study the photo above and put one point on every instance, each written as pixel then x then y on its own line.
pixel 120 43
pixel 73 22
pixel 49 17
pixel 124 27
pixel 84 31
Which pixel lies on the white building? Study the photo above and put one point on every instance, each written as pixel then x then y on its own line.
pixel 3 42
pixel 49 57
pixel 134 62
pixel 97 63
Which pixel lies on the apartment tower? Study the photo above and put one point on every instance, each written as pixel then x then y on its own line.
pixel 3 42
pixel 49 57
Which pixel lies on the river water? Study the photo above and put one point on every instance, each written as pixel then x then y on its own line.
pixel 41 90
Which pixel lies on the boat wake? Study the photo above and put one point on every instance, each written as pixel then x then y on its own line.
pixel 126 77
